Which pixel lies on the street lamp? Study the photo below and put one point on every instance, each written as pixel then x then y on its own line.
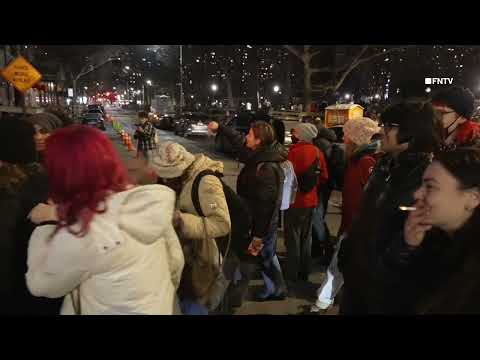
pixel 347 96
pixel 127 67
pixel 146 93
pixel 86 70
pixel 276 88
pixel 214 88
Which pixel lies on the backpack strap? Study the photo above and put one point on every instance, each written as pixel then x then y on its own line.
pixel 196 186
pixel 198 208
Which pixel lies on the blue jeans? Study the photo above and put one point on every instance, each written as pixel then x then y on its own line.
pixel 319 228
pixel 190 307
pixel 271 270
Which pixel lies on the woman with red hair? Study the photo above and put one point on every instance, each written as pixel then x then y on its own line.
pixel 112 247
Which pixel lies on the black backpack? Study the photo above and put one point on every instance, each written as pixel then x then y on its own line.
pixel 336 166
pixel 240 217
pixel 308 180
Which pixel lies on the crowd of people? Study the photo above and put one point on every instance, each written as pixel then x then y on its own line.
pixel 78 236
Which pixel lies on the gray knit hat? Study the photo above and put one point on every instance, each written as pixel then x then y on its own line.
pixel 170 160
pixel 46 121
pixel 306 132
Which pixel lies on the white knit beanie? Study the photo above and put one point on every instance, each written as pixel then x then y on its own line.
pixel 360 130
pixel 170 160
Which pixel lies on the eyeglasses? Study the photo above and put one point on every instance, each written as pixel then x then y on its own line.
pixel 388 126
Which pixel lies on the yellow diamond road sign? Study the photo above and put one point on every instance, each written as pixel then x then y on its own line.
pixel 21 74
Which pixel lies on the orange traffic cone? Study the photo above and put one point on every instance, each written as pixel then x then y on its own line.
pixel 130 144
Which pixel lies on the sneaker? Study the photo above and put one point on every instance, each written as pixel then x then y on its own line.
pixel 319 306
pixel 315 309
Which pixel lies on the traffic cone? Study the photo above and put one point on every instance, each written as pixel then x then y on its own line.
pixel 130 144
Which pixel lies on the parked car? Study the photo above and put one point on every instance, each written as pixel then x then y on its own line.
pixel 96 111
pixel 217 115
pixel 94 119
pixel 95 108
pixel 192 123
pixel 294 115
pixel 165 122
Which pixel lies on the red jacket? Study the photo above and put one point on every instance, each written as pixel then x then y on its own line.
pixel 356 176
pixel 302 155
pixel 467 132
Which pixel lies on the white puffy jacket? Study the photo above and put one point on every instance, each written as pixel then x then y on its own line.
pixel 130 261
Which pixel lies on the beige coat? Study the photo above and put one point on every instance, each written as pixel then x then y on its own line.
pixel 212 202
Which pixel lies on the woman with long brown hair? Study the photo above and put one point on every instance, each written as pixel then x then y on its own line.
pixel 260 184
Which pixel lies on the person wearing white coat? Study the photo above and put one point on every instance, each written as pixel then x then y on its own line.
pixel 129 262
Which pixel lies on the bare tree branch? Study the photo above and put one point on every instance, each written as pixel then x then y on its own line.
pixel 353 65
pixel 361 61
pixel 294 51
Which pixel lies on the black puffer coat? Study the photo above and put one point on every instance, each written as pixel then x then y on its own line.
pixel 260 182
pixel 370 255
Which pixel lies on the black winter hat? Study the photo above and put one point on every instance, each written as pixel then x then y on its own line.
pixel 458 98
pixel 17 145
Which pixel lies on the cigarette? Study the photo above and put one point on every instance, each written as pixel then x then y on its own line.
pixel 407 208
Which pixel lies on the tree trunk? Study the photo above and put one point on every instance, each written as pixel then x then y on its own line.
pixel 307 87
pixel 231 104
